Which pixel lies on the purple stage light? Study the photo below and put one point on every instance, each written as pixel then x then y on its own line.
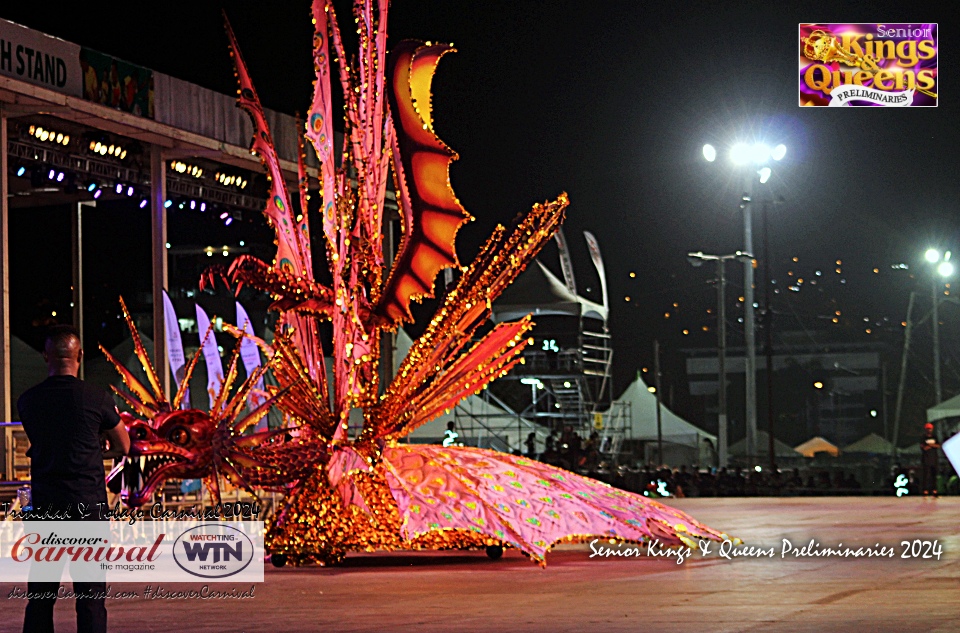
pixel 143 203
pixel 203 206
pixel 229 220
pixel 129 191
pixel 224 215
pixel 51 174
pixel 193 204
pixel 119 187
pixel 59 176
pixel 96 194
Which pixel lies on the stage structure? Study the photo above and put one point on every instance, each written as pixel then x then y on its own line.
pixel 565 379
pixel 348 490
pixel 158 145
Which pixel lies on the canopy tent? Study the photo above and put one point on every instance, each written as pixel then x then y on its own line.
pixel 538 291
pixel 871 443
pixel 643 419
pixel 817 445
pixel 780 449
pixel 946 409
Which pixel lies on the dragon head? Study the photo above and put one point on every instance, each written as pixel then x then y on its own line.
pixel 177 445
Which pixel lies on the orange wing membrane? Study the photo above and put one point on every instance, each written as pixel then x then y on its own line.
pixel 431 212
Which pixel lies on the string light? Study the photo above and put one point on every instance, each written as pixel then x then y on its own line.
pixel 108 149
pixel 48 136
pixel 183 168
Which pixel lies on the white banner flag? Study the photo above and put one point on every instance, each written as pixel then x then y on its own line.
pixel 175 346
pixel 211 354
pixel 594 248
pixel 250 354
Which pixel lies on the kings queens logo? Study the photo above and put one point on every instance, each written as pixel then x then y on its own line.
pixel 868 64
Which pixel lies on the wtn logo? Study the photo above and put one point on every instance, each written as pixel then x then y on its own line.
pixel 215 550
pixel 221 551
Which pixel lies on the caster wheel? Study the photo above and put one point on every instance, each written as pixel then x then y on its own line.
pixel 494 552
pixel 278 560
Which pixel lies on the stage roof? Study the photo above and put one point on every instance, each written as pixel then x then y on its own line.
pixel 538 291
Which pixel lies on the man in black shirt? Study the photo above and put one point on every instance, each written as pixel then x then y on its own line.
pixel 63 418
pixel 929 461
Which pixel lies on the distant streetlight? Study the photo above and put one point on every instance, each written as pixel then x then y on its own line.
pixel 818 385
pixel 697 259
pixel 757 155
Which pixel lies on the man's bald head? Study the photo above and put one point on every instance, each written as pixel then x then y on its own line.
pixel 62 350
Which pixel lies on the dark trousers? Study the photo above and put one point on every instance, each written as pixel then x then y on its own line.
pixel 929 479
pixel 91 611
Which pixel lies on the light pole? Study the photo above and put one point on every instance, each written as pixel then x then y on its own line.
pixel 944 269
pixel 696 259
pixel 758 155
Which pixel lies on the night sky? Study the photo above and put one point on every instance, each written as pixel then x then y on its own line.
pixel 611 102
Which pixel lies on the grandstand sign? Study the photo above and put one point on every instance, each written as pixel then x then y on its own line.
pixel 39 59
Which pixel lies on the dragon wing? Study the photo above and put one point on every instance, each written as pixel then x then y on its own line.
pixel 430 211
pixel 293 240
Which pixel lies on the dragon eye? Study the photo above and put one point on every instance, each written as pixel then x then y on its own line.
pixel 179 436
pixel 139 433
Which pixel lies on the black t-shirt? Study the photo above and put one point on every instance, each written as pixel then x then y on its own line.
pixel 63 418
pixel 930 454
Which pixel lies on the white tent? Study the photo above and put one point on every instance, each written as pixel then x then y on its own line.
pixel 946 409
pixel 871 443
pixel 643 419
pixel 780 449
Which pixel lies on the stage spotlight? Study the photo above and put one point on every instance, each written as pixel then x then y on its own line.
pixel 143 203
pixel 119 187
pixel 228 221
pixel 193 205
pixel 203 206
pixel 224 215
pixel 97 193
pixel 21 170
pixel 59 176
pixel 91 185
pixel 129 191
pixel 167 204
pixel 51 174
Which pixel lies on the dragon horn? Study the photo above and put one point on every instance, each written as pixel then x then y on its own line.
pixel 185 383
pixel 144 358
pixel 143 401
pixel 217 407
pixel 257 414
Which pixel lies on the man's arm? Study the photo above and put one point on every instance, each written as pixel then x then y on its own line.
pixel 119 439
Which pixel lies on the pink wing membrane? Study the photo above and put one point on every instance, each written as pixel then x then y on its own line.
pixel 522 502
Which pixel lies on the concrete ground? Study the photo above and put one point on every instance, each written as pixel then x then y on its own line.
pixel 466 592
